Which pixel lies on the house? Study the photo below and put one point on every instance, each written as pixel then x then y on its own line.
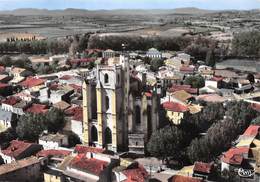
pixel 175 111
pixel 28 169
pixel 61 93
pixel 186 88
pixel 70 79
pixel 62 105
pixel 130 172
pixel 33 83
pixel 19 150
pixel 40 61
pixel 153 53
pixel 76 120
pixel 6 119
pixel 181 96
pixel 179 178
pixel 81 62
pixel 82 149
pixel 9 102
pixel 203 170
pixel 37 109
pixel 17 72
pixel 211 98
pixel 187 70
pixel 53 141
pixel 5 78
pixel 20 107
pixel 89 167
pixel 215 82
pixel 108 54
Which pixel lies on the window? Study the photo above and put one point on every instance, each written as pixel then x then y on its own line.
pixel 94 134
pixel 137 115
pixel 106 78
pixel 108 136
pixel 107 102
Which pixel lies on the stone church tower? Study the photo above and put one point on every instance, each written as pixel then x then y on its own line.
pixel 108 128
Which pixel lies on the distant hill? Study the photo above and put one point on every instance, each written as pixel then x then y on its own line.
pixel 71 11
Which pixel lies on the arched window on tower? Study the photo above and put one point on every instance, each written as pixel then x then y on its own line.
pixel 108 136
pixel 106 78
pixel 94 134
pixel 107 103
pixel 137 114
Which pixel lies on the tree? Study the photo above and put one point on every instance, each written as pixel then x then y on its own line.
pixel 55 120
pixel 30 126
pixel 7 136
pixel 251 78
pixel 210 58
pixel 196 81
pixel 220 135
pixel 167 142
pixel 156 64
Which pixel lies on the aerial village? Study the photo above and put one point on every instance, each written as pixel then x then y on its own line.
pixel 128 117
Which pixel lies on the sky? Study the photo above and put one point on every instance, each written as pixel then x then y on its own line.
pixel 130 4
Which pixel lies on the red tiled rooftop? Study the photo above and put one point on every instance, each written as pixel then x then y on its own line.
pixel 148 94
pixel 80 149
pixel 187 69
pixel 217 78
pixel 75 112
pixel 2 68
pixel 138 174
pixel 11 100
pixel 235 155
pixel 252 130
pixel 203 167
pixel 16 148
pixel 211 98
pixel 256 107
pixel 186 88
pixel 175 107
pixel 76 87
pixel 37 109
pixel 32 82
pixel 93 166
pixel 3 85
pixel 179 178
pixel 66 77
pixel 52 152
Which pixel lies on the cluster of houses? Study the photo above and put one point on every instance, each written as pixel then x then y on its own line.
pixel 94 102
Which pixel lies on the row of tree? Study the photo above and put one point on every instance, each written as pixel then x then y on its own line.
pixel 52 46
pixel 178 143
pixel 246 44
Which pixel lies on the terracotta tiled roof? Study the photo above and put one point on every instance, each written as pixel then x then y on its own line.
pixel 56 153
pixel 62 105
pixel 138 174
pixel 182 95
pixel 75 112
pixel 188 69
pixel 66 77
pixel 211 98
pixel 93 166
pixel 175 107
pixel 3 85
pixel 186 88
pixel 217 78
pixel 76 87
pixel 179 178
pixel 81 149
pixel 17 165
pixel 252 130
pixel 203 167
pixel 2 68
pixel 256 107
pixel 32 82
pixel 37 109
pixel 235 155
pixel 148 94
pixel 11 100
pixel 16 148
